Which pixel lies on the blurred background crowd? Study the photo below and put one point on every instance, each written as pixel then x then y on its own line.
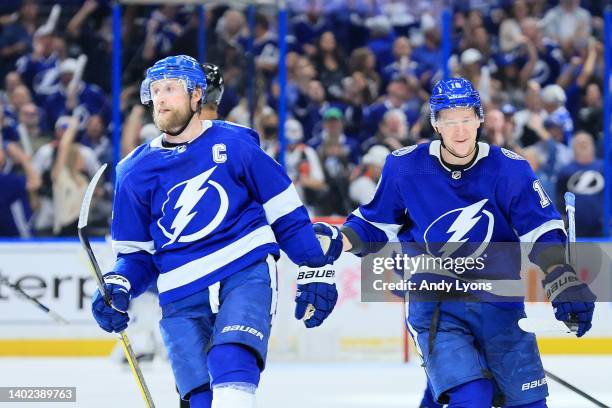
pixel 359 74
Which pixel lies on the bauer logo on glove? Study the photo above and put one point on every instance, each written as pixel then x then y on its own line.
pixel 568 279
pixel 316 273
pixel 316 294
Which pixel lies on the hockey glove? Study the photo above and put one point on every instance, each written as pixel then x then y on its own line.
pixel 571 299
pixel 316 294
pixel 330 239
pixel 112 318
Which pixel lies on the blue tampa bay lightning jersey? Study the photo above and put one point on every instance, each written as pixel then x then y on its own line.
pixel 497 199
pixel 192 215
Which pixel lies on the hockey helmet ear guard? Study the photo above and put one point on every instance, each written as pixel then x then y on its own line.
pixel 214 83
pixel 181 67
pixel 454 93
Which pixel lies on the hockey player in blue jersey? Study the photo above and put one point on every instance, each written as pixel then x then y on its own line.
pixel 203 212
pixel 458 190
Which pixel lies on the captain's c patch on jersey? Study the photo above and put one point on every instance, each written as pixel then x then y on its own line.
pixel 219 152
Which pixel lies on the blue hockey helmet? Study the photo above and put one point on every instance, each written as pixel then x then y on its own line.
pixel 181 67
pixel 454 93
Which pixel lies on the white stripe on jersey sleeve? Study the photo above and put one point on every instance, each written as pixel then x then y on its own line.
pixel 533 235
pixel 282 204
pixel 129 247
pixel 200 267
pixel 390 230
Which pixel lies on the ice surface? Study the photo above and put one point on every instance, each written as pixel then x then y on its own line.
pixel 103 383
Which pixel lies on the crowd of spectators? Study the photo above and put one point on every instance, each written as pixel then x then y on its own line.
pixel 359 75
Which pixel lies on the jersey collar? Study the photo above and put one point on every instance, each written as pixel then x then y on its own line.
pixel 157 142
pixel 435 146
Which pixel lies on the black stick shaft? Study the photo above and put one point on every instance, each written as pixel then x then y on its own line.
pixel 576 390
pixel 33 300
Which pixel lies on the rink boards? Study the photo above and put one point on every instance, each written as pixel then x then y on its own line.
pixel 56 273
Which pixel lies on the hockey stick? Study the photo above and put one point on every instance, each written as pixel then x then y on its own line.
pixel 570 209
pixel 97 274
pixel 543 326
pixel 576 390
pixel 534 325
pixel 33 300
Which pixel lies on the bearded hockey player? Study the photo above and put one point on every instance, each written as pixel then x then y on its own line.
pixel 203 212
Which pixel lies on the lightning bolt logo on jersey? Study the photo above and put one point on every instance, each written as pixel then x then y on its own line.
pixel 473 223
pixel 185 197
pixel 191 216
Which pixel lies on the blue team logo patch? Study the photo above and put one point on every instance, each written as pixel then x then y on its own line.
pixel 462 232
pixel 189 210
pixel 511 154
pixel 587 182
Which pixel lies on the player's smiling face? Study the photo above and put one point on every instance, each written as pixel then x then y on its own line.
pixel 170 104
pixel 458 128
